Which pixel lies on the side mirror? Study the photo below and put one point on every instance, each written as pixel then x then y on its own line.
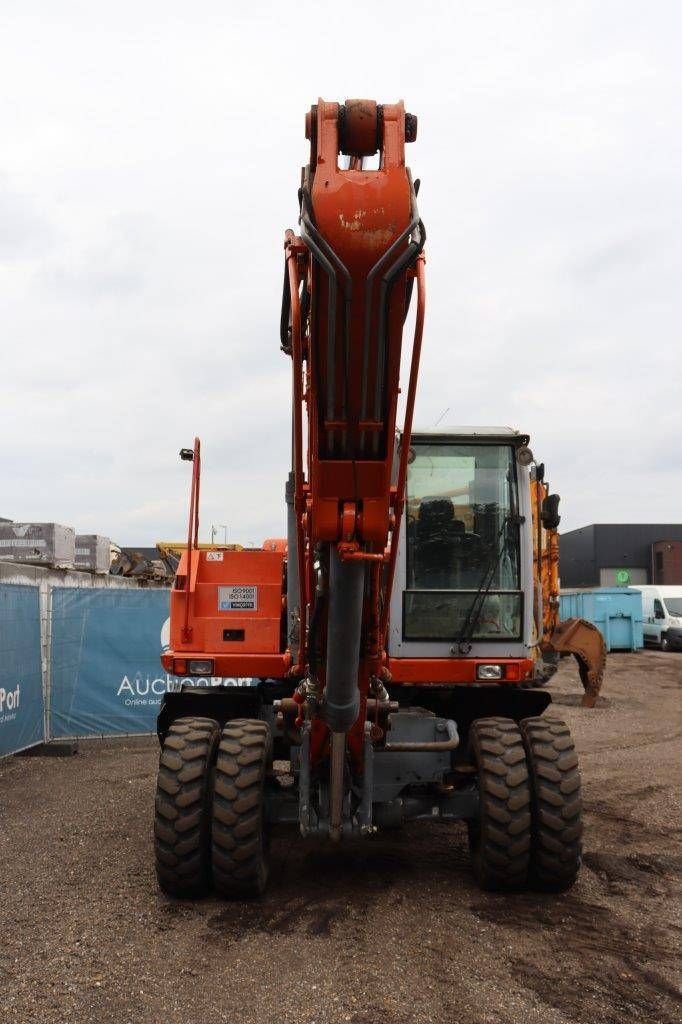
pixel 550 512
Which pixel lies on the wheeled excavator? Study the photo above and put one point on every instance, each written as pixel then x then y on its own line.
pixel 398 640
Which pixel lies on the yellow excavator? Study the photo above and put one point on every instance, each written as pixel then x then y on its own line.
pixel 572 636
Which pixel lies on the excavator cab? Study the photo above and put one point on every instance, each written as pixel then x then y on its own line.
pixel 459 561
pixel 470 596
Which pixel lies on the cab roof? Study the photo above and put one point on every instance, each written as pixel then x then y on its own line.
pixel 506 435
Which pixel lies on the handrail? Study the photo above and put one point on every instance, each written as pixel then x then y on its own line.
pixel 297 398
pixel 192 533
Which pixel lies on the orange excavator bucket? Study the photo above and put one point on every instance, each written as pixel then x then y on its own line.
pixel 582 639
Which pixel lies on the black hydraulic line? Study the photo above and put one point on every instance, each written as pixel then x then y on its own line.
pixel 307 217
pixel 285 315
pixel 408 297
pixel 326 256
pixel 387 281
pixel 331 310
pixel 305 301
pixel 369 287
pixel 410 281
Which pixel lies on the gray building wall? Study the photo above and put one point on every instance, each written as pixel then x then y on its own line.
pixel 577 564
pixel 591 556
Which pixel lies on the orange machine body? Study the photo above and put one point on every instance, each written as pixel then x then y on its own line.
pixel 236 613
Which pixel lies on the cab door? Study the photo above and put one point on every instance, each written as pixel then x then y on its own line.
pixel 657 624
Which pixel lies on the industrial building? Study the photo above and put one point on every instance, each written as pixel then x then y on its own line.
pixel 621 555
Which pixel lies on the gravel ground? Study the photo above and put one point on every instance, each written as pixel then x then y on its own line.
pixel 390 931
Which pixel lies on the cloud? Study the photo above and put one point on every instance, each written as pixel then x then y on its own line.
pixel 24 231
pixel 617 257
pixel 150 164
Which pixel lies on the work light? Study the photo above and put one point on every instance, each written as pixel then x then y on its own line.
pixel 200 666
pixel 488 671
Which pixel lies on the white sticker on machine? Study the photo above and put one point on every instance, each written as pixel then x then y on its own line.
pixel 237 599
pixel 214 556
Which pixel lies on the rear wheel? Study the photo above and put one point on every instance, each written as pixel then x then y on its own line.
pixel 182 811
pixel 556 804
pixel 499 840
pixel 239 833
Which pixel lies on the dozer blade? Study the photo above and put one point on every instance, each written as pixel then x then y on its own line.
pixel 581 638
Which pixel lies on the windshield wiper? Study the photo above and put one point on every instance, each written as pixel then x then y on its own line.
pixel 474 614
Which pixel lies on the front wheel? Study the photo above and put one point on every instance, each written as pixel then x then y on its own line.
pixel 239 834
pixel 182 811
pixel 556 804
pixel 499 839
pixel 665 646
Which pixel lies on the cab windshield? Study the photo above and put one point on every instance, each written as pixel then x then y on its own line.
pixel 673 604
pixel 463 579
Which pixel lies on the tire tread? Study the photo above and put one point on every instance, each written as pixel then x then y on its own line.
pixel 239 839
pixel 500 840
pixel 556 804
pixel 182 807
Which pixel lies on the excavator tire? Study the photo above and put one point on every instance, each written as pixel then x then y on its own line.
pixel 182 813
pixel 500 839
pixel 239 834
pixel 556 804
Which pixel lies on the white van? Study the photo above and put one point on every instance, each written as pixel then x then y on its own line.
pixel 662 616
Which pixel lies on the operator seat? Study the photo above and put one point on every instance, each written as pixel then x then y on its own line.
pixel 467 557
pixel 435 543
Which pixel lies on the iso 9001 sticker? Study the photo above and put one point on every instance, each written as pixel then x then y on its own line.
pixel 237 599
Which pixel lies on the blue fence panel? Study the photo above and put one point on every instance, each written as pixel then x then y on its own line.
pixel 106 674
pixel 21 682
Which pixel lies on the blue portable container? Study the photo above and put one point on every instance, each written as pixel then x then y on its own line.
pixel 615 611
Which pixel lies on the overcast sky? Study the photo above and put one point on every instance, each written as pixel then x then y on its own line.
pixel 149 160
